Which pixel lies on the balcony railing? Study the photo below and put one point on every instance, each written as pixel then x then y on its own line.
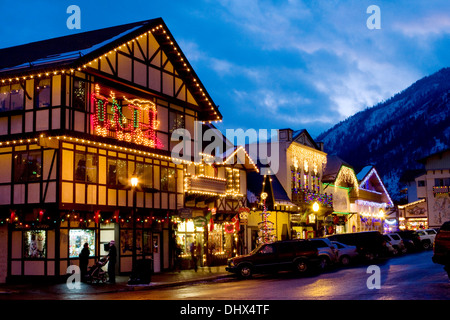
pixel 305 197
pixel 205 185
pixel 441 190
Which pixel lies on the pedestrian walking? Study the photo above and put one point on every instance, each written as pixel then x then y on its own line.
pixel 112 262
pixel 84 261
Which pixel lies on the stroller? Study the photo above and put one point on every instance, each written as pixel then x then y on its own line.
pixel 96 274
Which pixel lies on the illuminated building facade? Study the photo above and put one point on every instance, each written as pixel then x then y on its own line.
pixel 80 115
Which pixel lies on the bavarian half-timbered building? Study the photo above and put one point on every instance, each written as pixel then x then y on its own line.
pixel 79 116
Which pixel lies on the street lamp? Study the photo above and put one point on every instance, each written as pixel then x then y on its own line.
pixel 315 207
pixel 134 183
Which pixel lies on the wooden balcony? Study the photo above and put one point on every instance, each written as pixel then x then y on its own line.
pixel 205 185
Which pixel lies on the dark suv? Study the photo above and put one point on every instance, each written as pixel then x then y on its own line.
pixel 296 255
pixel 370 244
pixel 410 239
pixel 441 248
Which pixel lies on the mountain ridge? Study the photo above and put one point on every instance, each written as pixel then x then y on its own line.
pixel 393 134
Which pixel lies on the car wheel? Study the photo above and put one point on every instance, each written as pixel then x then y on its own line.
pixel 301 266
pixel 345 260
pixel 245 271
pixel 426 245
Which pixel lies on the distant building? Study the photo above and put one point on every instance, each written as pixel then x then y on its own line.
pixel 432 207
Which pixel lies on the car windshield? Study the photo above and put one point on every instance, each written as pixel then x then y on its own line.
pixel 256 249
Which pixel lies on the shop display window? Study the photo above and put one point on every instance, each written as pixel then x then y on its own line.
pixel 77 239
pixel 35 245
pixel 187 233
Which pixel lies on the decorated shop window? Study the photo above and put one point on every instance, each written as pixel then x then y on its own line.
pixel 34 244
pixel 77 239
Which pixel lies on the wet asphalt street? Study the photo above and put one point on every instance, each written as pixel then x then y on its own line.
pixel 409 277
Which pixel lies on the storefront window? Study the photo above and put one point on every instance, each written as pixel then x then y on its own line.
pixel 187 233
pixel 35 246
pixel 77 239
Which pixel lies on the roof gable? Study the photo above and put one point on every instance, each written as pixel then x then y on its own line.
pixel 142 53
pixel 371 181
pixel 303 137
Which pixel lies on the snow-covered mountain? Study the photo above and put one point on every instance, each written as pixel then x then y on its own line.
pixel 394 134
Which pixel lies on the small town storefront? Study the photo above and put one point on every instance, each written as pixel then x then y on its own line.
pixel 414 215
pixel 213 237
pixel 47 245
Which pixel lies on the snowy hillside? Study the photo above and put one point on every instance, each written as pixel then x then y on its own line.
pixel 394 134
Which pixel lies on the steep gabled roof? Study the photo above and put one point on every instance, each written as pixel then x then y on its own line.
pixel 334 165
pixel 371 173
pixel 255 185
pixel 76 51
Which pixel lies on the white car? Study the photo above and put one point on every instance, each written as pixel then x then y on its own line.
pixel 396 241
pixel 345 252
pixel 426 237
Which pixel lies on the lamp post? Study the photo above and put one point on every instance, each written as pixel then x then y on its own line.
pixel 316 208
pixel 134 184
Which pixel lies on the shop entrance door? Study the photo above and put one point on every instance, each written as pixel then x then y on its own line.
pixel 156 252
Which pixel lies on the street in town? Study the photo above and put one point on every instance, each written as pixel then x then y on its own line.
pixel 409 277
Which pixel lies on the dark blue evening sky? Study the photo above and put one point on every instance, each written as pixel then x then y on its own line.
pixel 273 64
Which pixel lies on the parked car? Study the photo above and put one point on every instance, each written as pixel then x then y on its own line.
pixel 410 239
pixel 396 241
pixel 441 247
pixel 296 255
pixel 426 237
pixel 328 253
pixel 390 249
pixel 370 244
pixel 346 253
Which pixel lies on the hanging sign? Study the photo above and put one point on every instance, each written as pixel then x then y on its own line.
pixel 185 213
pixel 200 222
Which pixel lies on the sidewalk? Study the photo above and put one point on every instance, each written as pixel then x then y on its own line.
pixel 158 280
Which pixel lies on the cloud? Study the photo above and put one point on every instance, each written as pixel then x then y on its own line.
pixel 435 24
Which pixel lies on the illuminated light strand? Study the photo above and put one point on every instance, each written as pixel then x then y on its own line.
pixel 307 156
pixel 348 175
pixel 159 28
pixel 134 131
pixel 373 171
